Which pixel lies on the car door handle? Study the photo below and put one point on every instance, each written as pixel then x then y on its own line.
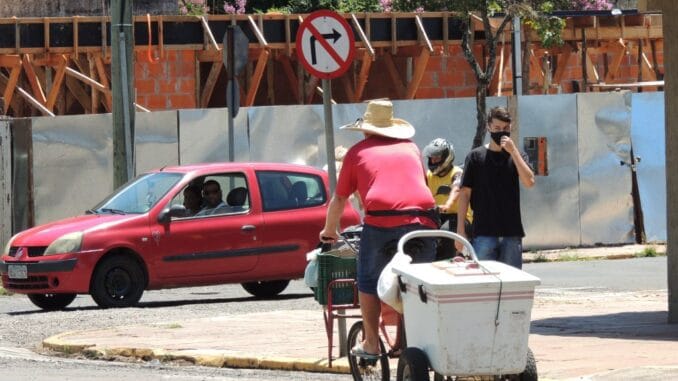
pixel 248 228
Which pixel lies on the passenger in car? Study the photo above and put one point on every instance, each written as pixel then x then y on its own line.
pixel 211 190
pixel 192 200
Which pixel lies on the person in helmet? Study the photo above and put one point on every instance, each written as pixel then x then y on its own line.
pixel 444 180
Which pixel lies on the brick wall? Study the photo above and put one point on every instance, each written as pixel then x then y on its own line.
pixel 171 82
pixel 167 84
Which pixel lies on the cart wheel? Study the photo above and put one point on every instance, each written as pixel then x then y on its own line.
pixel 365 369
pixel 530 372
pixel 413 365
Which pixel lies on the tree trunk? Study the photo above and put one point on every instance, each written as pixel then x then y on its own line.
pixel 481 105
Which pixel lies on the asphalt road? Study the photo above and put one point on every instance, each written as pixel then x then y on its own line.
pixel 23 326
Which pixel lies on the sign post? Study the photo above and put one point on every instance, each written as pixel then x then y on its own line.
pixel 325 46
pixel 235 58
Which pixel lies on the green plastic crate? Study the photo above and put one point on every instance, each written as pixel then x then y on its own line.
pixel 331 267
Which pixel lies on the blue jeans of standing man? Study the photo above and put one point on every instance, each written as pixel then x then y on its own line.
pixel 508 250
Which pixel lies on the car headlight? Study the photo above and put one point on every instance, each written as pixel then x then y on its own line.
pixel 67 243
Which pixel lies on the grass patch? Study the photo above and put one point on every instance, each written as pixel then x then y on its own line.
pixel 574 258
pixel 172 326
pixel 647 252
pixel 540 258
pixel 4 292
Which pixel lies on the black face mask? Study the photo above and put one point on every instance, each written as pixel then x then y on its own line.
pixel 496 136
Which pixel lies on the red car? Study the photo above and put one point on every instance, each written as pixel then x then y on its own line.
pixel 253 224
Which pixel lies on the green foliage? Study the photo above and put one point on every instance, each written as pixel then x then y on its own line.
pixel 308 6
pixel 355 6
pixel 649 251
pixel 4 292
pixel 548 27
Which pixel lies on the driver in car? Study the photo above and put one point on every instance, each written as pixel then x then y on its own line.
pixel 211 190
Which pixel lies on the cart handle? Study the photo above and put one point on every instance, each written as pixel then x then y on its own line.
pixel 437 234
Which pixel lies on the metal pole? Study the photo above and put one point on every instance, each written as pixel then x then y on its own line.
pixel 129 149
pixel 516 58
pixel 329 134
pixel 232 89
pixel 122 88
pixel 332 174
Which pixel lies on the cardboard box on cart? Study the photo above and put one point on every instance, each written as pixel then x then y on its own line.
pixel 469 318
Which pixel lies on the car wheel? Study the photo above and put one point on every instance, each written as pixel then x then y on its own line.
pixel 266 289
pixel 117 282
pixel 51 302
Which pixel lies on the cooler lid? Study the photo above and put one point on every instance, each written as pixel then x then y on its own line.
pixel 466 274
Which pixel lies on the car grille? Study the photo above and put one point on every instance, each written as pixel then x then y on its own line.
pixel 33 251
pixel 32 283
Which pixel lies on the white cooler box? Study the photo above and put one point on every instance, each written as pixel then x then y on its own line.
pixel 473 320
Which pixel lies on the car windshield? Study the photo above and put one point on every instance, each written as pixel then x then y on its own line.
pixel 139 195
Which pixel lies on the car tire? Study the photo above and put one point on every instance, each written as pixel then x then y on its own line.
pixel 117 282
pixel 51 302
pixel 267 289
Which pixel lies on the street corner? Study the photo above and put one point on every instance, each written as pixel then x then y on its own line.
pixel 60 343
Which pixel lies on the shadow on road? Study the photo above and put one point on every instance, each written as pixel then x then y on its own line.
pixel 174 303
pixel 650 325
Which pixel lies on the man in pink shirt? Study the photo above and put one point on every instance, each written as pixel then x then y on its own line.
pixel 386 170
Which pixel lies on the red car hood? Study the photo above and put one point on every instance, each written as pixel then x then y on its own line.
pixel 43 235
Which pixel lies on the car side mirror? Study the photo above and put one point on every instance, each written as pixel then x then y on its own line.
pixel 174 211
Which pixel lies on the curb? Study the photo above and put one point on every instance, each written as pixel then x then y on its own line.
pixel 215 359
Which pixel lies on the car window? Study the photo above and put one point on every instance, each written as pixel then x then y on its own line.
pixel 140 194
pixel 219 194
pixel 290 190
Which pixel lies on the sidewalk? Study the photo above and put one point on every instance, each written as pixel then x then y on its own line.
pixel 574 335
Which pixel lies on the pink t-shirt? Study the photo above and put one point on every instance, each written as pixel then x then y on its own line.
pixel 388 175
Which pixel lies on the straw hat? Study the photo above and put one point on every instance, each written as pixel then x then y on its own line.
pixel 378 119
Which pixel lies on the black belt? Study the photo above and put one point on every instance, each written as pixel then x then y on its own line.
pixel 433 214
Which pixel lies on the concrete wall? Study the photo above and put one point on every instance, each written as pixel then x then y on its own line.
pixel 63 8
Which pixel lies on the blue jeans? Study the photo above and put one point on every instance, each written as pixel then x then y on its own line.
pixel 372 258
pixel 508 250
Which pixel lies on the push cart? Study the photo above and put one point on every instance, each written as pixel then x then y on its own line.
pixel 465 317
pixel 337 290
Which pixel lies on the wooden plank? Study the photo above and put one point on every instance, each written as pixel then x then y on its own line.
pixel 400 88
pixel 310 89
pixel 364 75
pixel 210 83
pixel 79 93
pixel 16 103
pixel 56 84
pixel 591 70
pixel 419 70
pixel 348 88
pixel 101 71
pixel 33 80
pixel 95 99
pixel 5 182
pixel 562 64
pixel 25 95
pixel 496 80
pixel 10 60
pixel 618 52
pixel 11 86
pixel 290 75
pixel 256 77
